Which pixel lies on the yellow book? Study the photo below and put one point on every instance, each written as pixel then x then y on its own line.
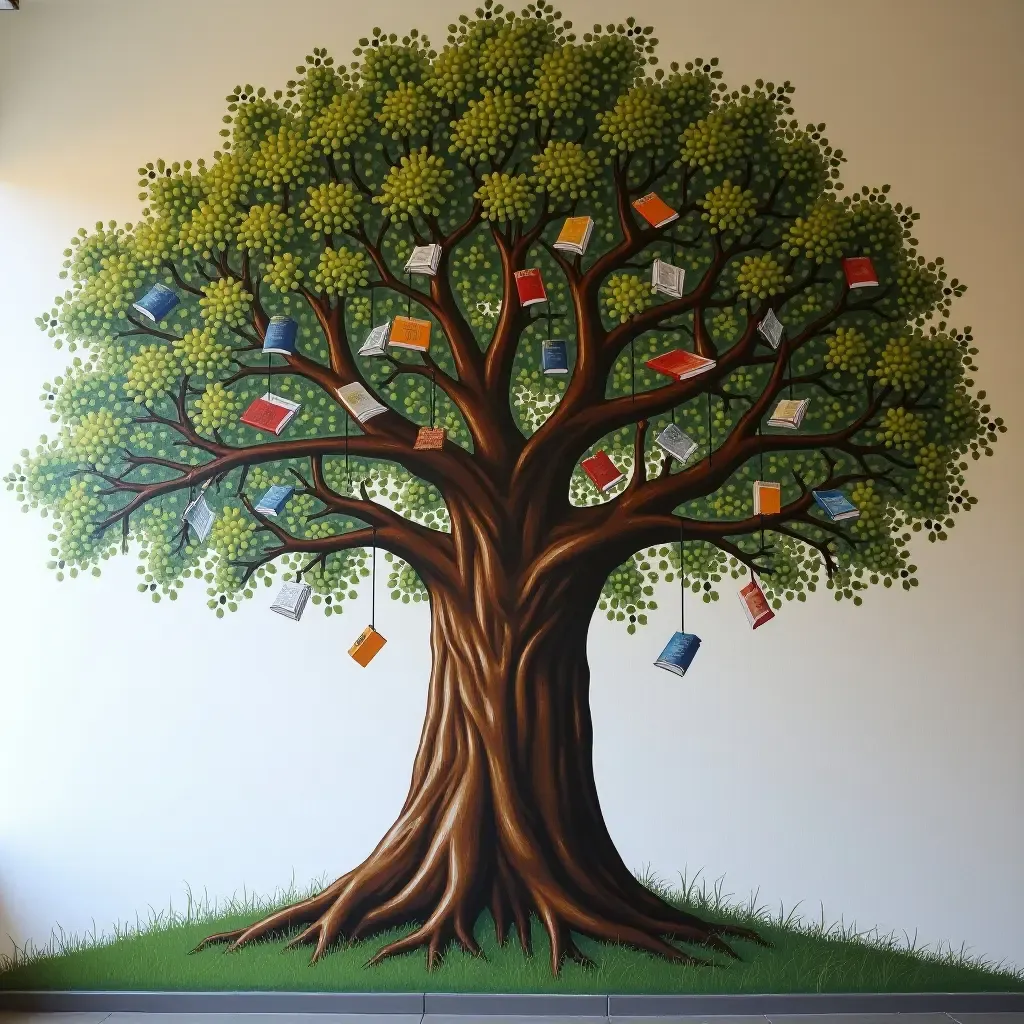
pixel 367 647
pixel 408 332
pixel 575 235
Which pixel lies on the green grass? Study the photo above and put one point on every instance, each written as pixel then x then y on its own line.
pixel 805 957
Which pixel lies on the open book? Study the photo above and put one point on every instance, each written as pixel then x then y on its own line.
pixel 424 260
pixel 291 600
pixel 789 413
pixel 376 343
pixel 575 235
pixel 359 402
pixel 770 328
pixel 199 516
pixel 667 279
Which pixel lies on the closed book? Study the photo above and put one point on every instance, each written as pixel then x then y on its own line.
pixel 676 443
pixel 424 260
pixel 281 335
pixel 860 272
pixel 755 604
pixel 770 328
pixel 789 413
pixel 199 516
pixel 603 473
pixel 359 402
pixel 274 500
pixel 429 439
pixel 530 286
pixel 271 412
pixel 156 303
pixel 679 653
pixel 836 505
pixel 408 332
pixel 554 357
pixel 767 498
pixel 680 364
pixel 367 646
pixel 376 343
pixel 575 235
pixel 291 600
pixel 667 279
pixel 655 210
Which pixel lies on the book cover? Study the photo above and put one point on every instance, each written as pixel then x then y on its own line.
pixel 424 260
pixel 554 357
pixel 789 413
pixel 376 343
pixel 575 235
pixel 679 653
pixel 199 516
pixel 603 473
pixel 271 412
pixel 767 497
pixel 530 286
pixel 156 303
pixel 676 443
pixel 359 402
pixel 836 505
pixel 366 647
pixel 281 335
pixel 430 439
pixel 408 332
pixel 755 604
pixel 680 364
pixel 655 210
pixel 860 272
pixel 770 328
pixel 275 499
pixel 667 279
pixel 291 600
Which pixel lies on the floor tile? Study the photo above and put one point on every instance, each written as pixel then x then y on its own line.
pixel 694 1018
pixel 503 1018
pixel 258 1018
pixel 842 1018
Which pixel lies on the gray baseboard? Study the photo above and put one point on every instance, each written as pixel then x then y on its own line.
pixel 520 1004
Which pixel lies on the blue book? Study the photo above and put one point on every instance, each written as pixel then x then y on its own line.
pixel 679 652
pixel 275 499
pixel 280 336
pixel 156 303
pixel 837 505
pixel 554 357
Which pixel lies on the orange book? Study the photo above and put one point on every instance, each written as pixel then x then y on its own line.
pixel 655 210
pixel 408 332
pixel 367 646
pixel 767 498
pixel 429 439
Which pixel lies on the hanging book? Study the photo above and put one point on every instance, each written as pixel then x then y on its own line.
pixel 667 279
pixel 430 439
pixel 770 328
pixel 530 286
pixel 755 604
pixel 359 402
pixel 281 335
pixel 789 413
pixel 836 505
pixel 860 272
pixel 274 500
pixel 680 364
pixel 367 646
pixel 674 442
pixel 156 303
pixel 554 357
pixel 376 343
pixel 767 497
pixel 408 332
pixel 291 600
pixel 575 235
pixel 424 260
pixel 679 653
pixel 271 412
pixel 603 473
pixel 199 516
pixel 655 210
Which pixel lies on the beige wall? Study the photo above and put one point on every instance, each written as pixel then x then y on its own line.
pixel 872 759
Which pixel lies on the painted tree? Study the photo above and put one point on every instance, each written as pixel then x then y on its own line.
pixel 485 147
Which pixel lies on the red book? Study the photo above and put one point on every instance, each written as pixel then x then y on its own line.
pixel 655 210
pixel 604 474
pixel 271 412
pixel 530 286
pixel 755 604
pixel 680 364
pixel 860 272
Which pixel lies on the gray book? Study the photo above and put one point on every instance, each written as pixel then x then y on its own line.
pixel 770 328
pixel 376 343
pixel 424 260
pixel 200 517
pixel 291 600
pixel 667 279
pixel 674 442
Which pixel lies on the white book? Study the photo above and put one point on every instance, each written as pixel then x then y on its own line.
pixel 200 517
pixel 291 600
pixel 674 442
pixel 376 343
pixel 789 413
pixel 359 402
pixel 770 328
pixel 667 279
pixel 424 260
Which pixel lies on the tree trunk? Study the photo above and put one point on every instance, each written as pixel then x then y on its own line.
pixel 502 812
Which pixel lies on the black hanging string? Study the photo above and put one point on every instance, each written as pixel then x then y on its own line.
pixel 373 306
pixel 408 299
pixel 347 482
pixel 632 371
pixel 549 320
pixel 433 393
pixel 373 581
pixel 711 443
pixel 270 359
pixel 789 372
pixel 682 583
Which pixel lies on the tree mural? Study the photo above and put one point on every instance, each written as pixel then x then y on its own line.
pixel 484 147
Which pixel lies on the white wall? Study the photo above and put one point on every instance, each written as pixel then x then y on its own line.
pixel 871 759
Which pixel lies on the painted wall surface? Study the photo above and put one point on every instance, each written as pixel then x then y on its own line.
pixel 870 759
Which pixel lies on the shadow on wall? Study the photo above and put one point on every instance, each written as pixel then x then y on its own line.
pixel 9 938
